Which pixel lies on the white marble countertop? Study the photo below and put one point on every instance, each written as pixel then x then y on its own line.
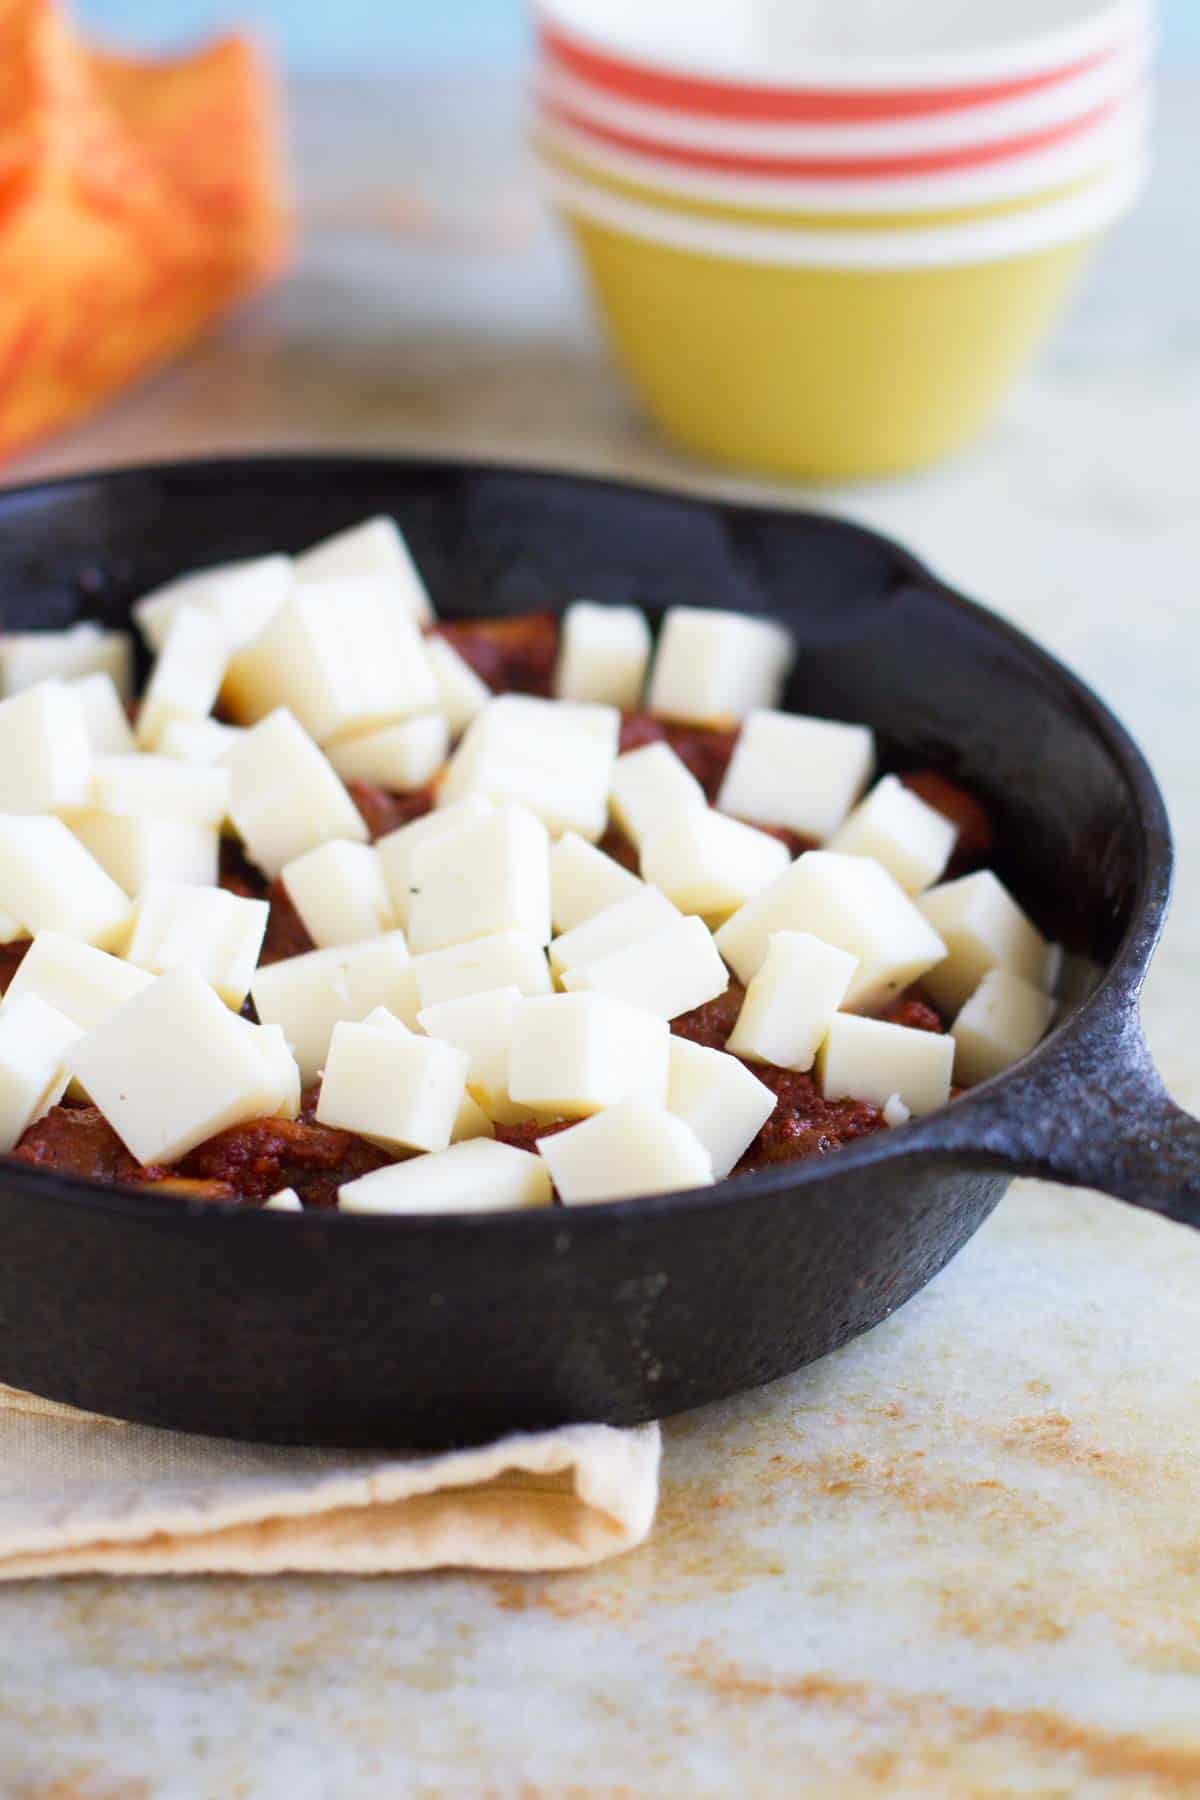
pixel 958 1558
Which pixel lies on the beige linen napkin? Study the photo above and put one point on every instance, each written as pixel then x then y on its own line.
pixel 81 1494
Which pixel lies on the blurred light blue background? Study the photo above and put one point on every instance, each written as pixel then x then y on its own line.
pixel 360 34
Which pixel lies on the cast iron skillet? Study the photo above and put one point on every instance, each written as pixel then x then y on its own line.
pixel 361 1331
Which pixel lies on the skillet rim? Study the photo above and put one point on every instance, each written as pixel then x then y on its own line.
pixel 939 1133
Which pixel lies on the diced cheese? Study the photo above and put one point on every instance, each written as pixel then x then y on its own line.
pixel 710 864
pixel 401 1091
pixel 50 883
pixel 676 969
pixel 604 652
pixel 27 657
pixel 202 741
pixel 398 849
pixel 286 798
pixel 805 773
pixel 35 1041
pixel 481 1025
pixel 791 1000
pixel 216 933
pixel 534 753
pixel 307 995
pixel 83 984
pixel 725 1105
pixel 895 1113
pixel 11 930
pixel 584 881
pixel 373 548
pixel 628 1150
pixel 651 787
pixel 713 667
pixel 572 1054
pixel 283 1071
pixel 848 902
pixel 1005 1018
pixel 286 1200
pixel 600 722
pixel 509 959
pixel 187 676
pixel 490 876
pixel 462 695
pixel 639 915
pixel 868 1059
pixel 108 729
pixel 241 596
pixel 396 757
pixel 470 1121
pixel 158 787
pixel 473 1177
pixel 45 755
pixel 138 850
pixel 339 892
pixel 984 929
pixel 895 827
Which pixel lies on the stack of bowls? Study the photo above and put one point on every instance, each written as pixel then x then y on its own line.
pixel 827 235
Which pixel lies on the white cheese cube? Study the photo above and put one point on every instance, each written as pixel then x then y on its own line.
pixel 216 933
pixel 896 828
pixel 286 1200
pixel 307 995
pixel 85 985
pixel 791 1000
pixel 45 755
pixel 11 930
pixel 600 722
pixel 713 667
pixel 845 901
pixel 158 787
pixel 470 1121
pixel 35 1041
pixel 584 881
pixel 401 1091
pixel 571 1054
pixel 710 864
pixel 603 655
pixel 480 1025
pixel 1005 1018
pixel 50 883
pixel 172 1067
pixel 984 929
pixel 868 1059
pixel 895 1113
pixel 203 741
pixel 187 676
pixel 509 959
pixel 651 788
pixel 27 657
pixel 491 876
pixel 283 1071
pixel 241 596
pixel 474 1177
pixel 628 1150
pixel 108 729
pixel 534 753
pixel 639 915
pixel 374 548
pixel 462 694
pixel 139 850
pixel 669 973
pixel 790 770
pixel 286 798
pixel 397 757
pixel 397 850
pixel 725 1105
pixel 339 892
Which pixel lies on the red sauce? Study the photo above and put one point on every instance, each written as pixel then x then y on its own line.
pixel 517 653
pixel 976 833
pixel 383 811
pixel 706 749
pixel 268 1154
pixel 11 957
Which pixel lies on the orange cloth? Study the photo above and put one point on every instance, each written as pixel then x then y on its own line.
pixel 137 201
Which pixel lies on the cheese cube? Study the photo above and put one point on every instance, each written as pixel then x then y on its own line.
pixel 397 849
pixel 710 864
pixel 462 694
pixel 139 850
pixel 307 995
pixel 713 667
pixel 584 881
pixel 725 1105
pixel 216 933
pixel 283 1071
pixel 895 1113
pixel 83 984
pixel 203 741
pixel 35 1041
pixel 845 901
pixel 1005 1018
pixel 401 1091
pixel 480 1025
pixel 791 1000
pixel 534 753
pixel 172 1067
pixel 491 876
pixel 108 729
pixel 187 676
pixel 471 1121
pixel 475 1177
pixel 650 789
pixel 339 656
pixel 868 1059
pixel 790 770
pixel 339 892
pixel 28 657
pixel 11 930
pixel 509 959
pixel 374 548
pixel 984 929
pixel 286 1200
pixel 626 921
pixel 603 655
pixel 626 1151
pixel 600 722
pixel 50 883
pixel 571 1054
pixel 286 798
pixel 676 969
pixel 896 828
pixel 241 596
pixel 45 756
pixel 158 787
pixel 396 757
